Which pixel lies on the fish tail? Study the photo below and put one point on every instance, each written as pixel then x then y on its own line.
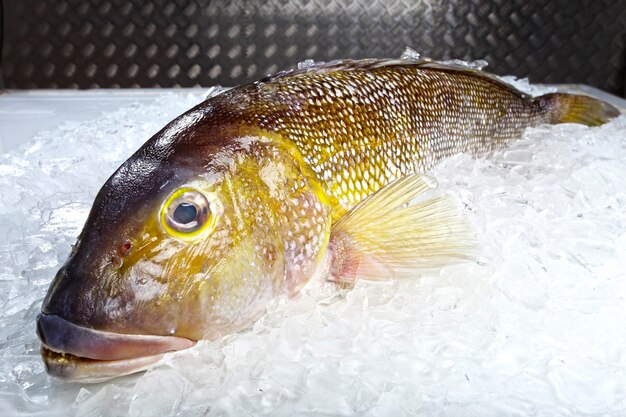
pixel 573 108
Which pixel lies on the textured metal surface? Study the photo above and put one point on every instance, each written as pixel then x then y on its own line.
pixel 130 43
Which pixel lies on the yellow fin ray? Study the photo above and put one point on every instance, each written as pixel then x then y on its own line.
pixel 385 236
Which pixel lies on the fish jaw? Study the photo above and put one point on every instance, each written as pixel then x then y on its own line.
pixel 79 354
pixel 72 368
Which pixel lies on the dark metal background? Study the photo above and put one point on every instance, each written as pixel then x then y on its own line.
pixel 165 43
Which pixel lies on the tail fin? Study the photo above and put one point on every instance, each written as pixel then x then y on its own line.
pixel 572 108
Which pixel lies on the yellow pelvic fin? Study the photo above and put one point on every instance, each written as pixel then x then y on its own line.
pixel 385 237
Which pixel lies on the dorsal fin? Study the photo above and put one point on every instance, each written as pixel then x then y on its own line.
pixel 408 59
pixel 476 73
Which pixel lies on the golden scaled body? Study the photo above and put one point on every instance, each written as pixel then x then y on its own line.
pixel 360 125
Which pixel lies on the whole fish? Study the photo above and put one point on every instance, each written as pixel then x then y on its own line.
pixel 245 197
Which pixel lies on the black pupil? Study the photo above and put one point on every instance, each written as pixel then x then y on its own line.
pixel 185 213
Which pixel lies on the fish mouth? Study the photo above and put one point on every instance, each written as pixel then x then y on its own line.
pixel 80 354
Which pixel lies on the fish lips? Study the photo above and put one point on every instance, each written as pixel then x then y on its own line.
pixel 80 354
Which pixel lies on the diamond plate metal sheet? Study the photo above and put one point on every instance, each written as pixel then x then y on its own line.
pixel 166 43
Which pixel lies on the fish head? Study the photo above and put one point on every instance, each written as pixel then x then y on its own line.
pixel 186 241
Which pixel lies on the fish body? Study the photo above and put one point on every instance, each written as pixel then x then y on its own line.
pixel 360 125
pixel 245 197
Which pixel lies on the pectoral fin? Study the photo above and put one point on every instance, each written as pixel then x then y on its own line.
pixel 385 237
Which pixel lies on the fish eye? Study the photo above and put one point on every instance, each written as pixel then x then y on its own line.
pixel 186 212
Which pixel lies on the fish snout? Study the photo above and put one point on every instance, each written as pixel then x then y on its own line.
pixel 62 336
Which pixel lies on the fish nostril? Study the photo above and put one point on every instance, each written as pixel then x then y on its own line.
pixel 116 261
pixel 126 248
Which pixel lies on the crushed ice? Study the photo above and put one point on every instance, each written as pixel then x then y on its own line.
pixel 535 327
pixel 306 64
pixel 412 55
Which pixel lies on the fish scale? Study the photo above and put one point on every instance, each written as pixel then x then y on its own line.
pixel 361 125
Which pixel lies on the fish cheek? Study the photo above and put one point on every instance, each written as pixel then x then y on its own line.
pixel 234 290
pixel 154 280
pixel 222 284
